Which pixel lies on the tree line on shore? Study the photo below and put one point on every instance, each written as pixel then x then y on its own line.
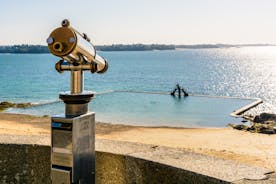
pixel 21 49
pixel 25 48
pixel 116 47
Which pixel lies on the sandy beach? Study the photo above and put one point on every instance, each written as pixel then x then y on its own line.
pixel 251 148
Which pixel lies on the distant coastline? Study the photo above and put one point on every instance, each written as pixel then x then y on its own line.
pixel 40 49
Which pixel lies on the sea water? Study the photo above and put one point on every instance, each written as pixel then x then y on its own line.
pixel 241 72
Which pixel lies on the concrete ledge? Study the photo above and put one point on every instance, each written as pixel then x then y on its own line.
pixel 124 162
pixel 151 163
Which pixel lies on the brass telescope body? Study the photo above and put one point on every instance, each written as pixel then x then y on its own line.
pixel 69 44
pixel 74 47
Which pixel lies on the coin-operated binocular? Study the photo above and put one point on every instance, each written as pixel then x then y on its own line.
pixel 73 133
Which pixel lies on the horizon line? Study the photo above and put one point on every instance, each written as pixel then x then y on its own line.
pixel 241 44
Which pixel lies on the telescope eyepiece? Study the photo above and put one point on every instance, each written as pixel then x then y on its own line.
pixel 58 47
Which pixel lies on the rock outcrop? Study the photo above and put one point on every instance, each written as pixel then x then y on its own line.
pixel 264 117
pixel 263 123
pixel 5 105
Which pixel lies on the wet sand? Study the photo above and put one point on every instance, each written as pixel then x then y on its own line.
pixel 251 148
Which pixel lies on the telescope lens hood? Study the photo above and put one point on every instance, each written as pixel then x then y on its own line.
pixel 104 69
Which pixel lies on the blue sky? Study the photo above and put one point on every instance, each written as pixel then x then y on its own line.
pixel 141 21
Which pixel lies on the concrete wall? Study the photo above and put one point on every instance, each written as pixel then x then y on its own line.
pixel 31 164
pixel 120 169
pixel 24 164
pixel 116 163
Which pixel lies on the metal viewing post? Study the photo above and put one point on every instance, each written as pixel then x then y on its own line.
pixel 73 133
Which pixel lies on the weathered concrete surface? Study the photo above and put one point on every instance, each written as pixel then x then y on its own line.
pixel 144 171
pixel 147 161
pixel 125 162
pixel 24 163
pixel 225 170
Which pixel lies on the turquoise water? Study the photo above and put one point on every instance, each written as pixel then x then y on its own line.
pixel 241 72
pixel 155 109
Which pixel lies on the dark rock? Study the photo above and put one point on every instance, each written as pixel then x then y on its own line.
pixel 241 127
pixel 244 121
pixel 267 130
pixel 252 129
pixel 271 123
pixel 263 117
